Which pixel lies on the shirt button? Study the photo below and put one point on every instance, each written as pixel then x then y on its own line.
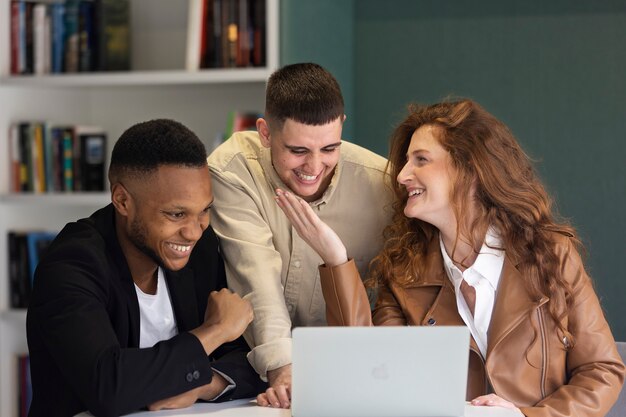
pixel 431 321
pixel 290 308
pixel 196 374
pixel 189 377
pixel 296 264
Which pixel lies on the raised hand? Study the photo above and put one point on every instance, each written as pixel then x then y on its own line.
pixel 229 312
pixel 317 234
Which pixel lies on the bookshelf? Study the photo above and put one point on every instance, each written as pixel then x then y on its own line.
pixel 156 86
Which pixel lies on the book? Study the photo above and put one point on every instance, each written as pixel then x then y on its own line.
pixel 194 52
pixel 112 19
pixel 57 31
pixel 37 243
pixel 25 393
pixel 86 36
pixel 88 155
pixel 259 33
pixel 28 43
pixel 41 39
pixel 16 42
pixel 71 34
pixel 26 157
pixel 19 281
pixel 38 167
pixel 68 159
pixel 14 152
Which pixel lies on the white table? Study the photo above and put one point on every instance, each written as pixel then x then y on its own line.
pixel 248 408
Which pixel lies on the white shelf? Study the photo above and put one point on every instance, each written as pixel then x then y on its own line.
pixel 14 315
pixel 138 78
pixel 57 199
pixel 158 87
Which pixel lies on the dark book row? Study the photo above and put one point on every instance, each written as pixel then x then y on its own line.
pixel 70 36
pixel 25 250
pixel 52 158
pixel 226 34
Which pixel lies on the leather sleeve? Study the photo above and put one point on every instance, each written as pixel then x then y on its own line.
pixel 345 296
pixel 594 367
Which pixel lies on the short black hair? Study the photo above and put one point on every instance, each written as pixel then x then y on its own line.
pixel 306 93
pixel 144 147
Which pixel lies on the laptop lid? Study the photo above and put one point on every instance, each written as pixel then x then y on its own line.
pixel 379 371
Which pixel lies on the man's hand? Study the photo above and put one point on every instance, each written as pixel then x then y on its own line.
pixel 278 395
pixel 226 317
pixel 228 311
pixel 206 392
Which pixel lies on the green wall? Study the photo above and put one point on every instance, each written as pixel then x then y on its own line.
pixel 322 31
pixel 555 72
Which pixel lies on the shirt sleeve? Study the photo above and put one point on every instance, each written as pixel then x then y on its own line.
pixel 253 268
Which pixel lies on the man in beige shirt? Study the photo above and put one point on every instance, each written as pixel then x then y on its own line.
pixel 297 149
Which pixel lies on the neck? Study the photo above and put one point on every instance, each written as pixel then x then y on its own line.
pixel 142 268
pixel 459 250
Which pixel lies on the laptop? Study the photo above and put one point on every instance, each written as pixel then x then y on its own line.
pixel 382 371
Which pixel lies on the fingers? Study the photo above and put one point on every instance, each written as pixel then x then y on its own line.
pixel 293 209
pixel 276 397
pixel 492 400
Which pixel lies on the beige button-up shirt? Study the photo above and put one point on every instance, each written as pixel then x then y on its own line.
pixel 266 261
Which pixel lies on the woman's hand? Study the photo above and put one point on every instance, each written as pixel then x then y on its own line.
pixel 317 234
pixel 492 400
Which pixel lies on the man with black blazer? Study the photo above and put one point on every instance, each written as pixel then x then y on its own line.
pixel 129 308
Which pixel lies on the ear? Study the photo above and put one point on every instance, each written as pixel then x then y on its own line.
pixel 264 131
pixel 120 197
pixel 344 119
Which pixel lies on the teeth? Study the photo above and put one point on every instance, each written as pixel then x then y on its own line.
pixel 415 192
pixel 306 177
pixel 180 248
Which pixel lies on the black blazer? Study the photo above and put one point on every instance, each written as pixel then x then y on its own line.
pixel 83 328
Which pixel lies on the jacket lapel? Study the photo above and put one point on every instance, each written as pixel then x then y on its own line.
pixel 513 305
pixel 182 289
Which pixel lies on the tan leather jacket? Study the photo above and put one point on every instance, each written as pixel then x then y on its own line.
pixel 527 367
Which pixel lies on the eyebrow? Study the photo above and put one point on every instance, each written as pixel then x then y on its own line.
pixel 304 148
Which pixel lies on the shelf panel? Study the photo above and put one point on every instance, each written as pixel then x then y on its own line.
pixel 58 199
pixel 173 77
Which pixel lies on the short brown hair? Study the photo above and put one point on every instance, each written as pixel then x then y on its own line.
pixel 305 93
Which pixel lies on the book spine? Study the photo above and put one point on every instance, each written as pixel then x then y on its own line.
pixel 68 173
pixel 15 37
pixel 58 36
pixel 194 35
pixel 14 150
pixel 71 36
pixel 112 21
pixel 39 17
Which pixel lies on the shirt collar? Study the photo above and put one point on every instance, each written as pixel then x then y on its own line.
pixel 488 264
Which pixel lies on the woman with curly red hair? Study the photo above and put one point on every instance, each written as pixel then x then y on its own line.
pixel 474 242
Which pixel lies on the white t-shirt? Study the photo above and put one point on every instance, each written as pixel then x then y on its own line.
pixel 156 314
pixel 157 322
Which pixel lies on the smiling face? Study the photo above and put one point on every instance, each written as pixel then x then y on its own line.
pixel 166 214
pixel 304 156
pixel 428 178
